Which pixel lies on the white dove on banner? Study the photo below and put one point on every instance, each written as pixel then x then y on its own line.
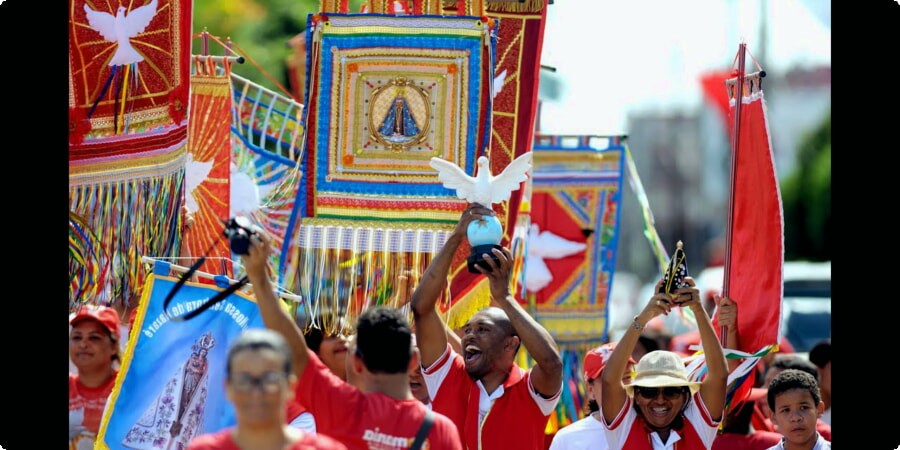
pixel 120 28
pixel 541 246
pixel 195 172
pixel 247 195
pixel 484 188
pixel 499 81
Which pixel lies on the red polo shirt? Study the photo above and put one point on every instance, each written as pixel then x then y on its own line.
pixel 367 420
pixel 513 416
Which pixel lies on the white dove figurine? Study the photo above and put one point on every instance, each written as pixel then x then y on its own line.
pixel 541 246
pixel 121 28
pixel 484 188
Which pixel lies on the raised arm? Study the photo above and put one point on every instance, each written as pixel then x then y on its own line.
pixel 712 390
pixel 613 395
pixel 546 376
pixel 726 308
pixel 273 315
pixel 430 329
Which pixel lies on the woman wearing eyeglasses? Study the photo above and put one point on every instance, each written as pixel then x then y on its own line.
pixel 260 382
pixel 661 409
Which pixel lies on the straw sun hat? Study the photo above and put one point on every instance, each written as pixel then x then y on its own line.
pixel 660 369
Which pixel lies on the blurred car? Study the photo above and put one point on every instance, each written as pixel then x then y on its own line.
pixel 806 302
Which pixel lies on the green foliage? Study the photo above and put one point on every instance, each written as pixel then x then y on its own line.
pixel 261 28
pixel 806 194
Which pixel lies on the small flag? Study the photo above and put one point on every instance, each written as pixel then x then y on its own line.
pixel 676 272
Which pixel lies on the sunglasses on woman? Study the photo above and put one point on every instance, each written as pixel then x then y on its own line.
pixel 670 393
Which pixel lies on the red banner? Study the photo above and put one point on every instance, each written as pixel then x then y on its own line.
pixel 520 39
pixel 754 279
pixel 207 171
pixel 128 67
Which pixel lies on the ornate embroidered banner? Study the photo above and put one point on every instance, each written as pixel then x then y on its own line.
pixel 207 170
pixel 575 205
pixel 386 94
pixel 514 87
pixel 128 67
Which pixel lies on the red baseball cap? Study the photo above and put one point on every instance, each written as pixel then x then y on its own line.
pixel 107 317
pixel 595 360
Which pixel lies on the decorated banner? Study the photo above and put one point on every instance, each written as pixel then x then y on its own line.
pixel 266 138
pixel 264 188
pixel 128 97
pixel 128 67
pixel 576 195
pixel 514 105
pixel 170 385
pixel 208 167
pixel 132 204
pixel 386 94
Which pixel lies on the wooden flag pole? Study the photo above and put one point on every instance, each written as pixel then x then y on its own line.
pixel 738 95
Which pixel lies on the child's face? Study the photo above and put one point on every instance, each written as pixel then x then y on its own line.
pixel 795 415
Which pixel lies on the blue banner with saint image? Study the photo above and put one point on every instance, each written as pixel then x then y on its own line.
pixel 171 385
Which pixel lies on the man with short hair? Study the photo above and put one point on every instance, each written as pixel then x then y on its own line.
pixel 382 414
pixel 494 403
pixel 259 383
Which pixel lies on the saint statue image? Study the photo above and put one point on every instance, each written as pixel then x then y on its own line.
pixel 175 417
pixel 398 125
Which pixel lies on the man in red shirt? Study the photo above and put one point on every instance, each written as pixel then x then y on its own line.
pixel 259 383
pixel 494 403
pixel 383 414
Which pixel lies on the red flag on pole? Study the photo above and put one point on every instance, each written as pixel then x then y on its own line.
pixel 755 234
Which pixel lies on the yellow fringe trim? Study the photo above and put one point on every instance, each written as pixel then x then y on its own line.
pixel 514 6
pixel 477 299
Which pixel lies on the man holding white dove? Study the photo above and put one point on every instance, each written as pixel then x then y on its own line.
pixel 494 403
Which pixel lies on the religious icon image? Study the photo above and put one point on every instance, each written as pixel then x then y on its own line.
pixel 174 418
pixel 399 114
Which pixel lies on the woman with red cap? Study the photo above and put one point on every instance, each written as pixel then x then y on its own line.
pixel 588 433
pixel 93 346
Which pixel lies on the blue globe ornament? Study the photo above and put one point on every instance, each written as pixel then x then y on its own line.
pixel 484 235
pixel 487 231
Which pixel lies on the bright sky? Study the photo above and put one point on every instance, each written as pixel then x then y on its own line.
pixel 621 56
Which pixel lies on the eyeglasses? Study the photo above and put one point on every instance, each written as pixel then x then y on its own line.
pixel 670 393
pixel 270 382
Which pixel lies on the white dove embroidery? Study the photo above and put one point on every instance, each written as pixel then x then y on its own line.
pixel 484 189
pixel 247 195
pixel 194 174
pixel 545 245
pixel 499 82
pixel 120 28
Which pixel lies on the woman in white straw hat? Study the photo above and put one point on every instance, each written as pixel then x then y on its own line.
pixel 661 409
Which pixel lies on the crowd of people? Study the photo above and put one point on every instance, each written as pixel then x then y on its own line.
pixel 392 385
